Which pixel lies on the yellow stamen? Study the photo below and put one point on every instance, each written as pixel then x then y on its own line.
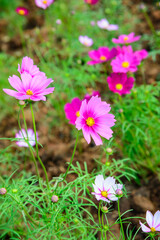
pixel 125 64
pixel 125 38
pixel 29 92
pixel 104 194
pixel 21 12
pixel 45 2
pixel 90 121
pixel 103 58
pixel 119 86
pixel 153 229
pixel 86 44
pixel 77 114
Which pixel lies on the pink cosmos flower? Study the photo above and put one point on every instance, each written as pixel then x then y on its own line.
pixel 153 222
pixel 28 67
pixel 106 189
pixel 86 41
pixel 94 120
pixel 102 54
pixel 22 11
pixel 93 93
pixel 104 24
pixel 26 137
pixel 43 3
pixel 125 63
pixel 120 83
pixel 125 39
pixel 141 54
pixel 58 21
pixel 72 110
pixel 30 88
pixel 92 2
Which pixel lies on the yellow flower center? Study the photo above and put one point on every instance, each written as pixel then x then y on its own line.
pixel 104 194
pixel 119 86
pixel 125 64
pixel 125 38
pixel 90 121
pixel 153 229
pixel 77 114
pixel 86 44
pixel 21 12
pixel 103 58
pixel 45 2
pixel 29 92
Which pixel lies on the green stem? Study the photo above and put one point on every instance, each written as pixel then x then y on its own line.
pixel 39 159
pixel 105 233
pixel 112 235
pixel 120 220
pixel 99 218
pixel 71 157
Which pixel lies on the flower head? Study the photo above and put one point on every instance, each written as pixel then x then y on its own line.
pixel 124 63
pixel 22 11
pixel 58 21
pixel 105 189
pixel 94 120
pixel 3 191
pixel 43 3
pixel 30 88
pixel 104 24
pixel 86 41
pixel 102 54
pixel 26 137
pixel 153 222
pixel 72 110
pixel 28 66
pixel 120 83
pixel 125 39
pixel 91 94
pixel 92 2
pixel 54 198
pixel 141 54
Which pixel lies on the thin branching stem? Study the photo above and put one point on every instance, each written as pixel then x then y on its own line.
pixel 120 220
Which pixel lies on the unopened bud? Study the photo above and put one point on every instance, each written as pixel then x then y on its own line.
pixel 107 164
pixel 14 190
pixel 106 227
pixel 119 192
pixel 21 102
pixel 54 198
pixel 104 209
pixel 3 191
pixel 109 150
pixel 120 110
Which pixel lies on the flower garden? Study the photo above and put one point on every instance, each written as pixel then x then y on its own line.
pixel 80 120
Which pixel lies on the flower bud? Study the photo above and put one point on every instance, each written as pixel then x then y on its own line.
pixel 104 209
pixel 119 192
pixel 107 164
pixel 54 198
pixel 106 227
pixel 109 150
pixel 120 110
pixel 14 190
pixel 21 102
pixel 3 191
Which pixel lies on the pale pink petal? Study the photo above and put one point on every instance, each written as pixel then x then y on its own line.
pixel 99 181
pixel 16 83
pixel 144 228
pixel 156 219
pixel 149 218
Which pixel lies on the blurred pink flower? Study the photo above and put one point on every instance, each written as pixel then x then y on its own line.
pixel 125 39
pixel 27 66
pixel 92 23
pixel 72 110
pixel 86 41
pixel 102 54
pixel 94 120
pixel 30 88
pixel 93 93
pixel 26 137
pixel 58 21
pixel 124 63
pixel 120 83
pixel 43 3
pixel 92 2
pixel 22 11
pixel 104 24
pixel 153 222
pixel 106 189
pixel 141 54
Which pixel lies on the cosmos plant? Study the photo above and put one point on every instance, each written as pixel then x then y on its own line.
pixel 72 110
pixel 24 137
pixel 126 39
pixel 22 11
pixel 88 42
pixel 43 3
pixel 153 222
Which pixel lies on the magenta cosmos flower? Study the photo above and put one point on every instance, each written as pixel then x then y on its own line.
pixel 120 83
pixel 86 41
pixel 26 137
pixel 22 11
pixel 28 66
pixel 102 54
pixel 43 3
pixel 153 222
pixel 125 39
pixel 94 120
pixel 140 54
pixel 89 95
pixel 92 2
pixel 106 189
pixel 72 110
pixel 125 63
pixel 30 88
pixel 104 24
